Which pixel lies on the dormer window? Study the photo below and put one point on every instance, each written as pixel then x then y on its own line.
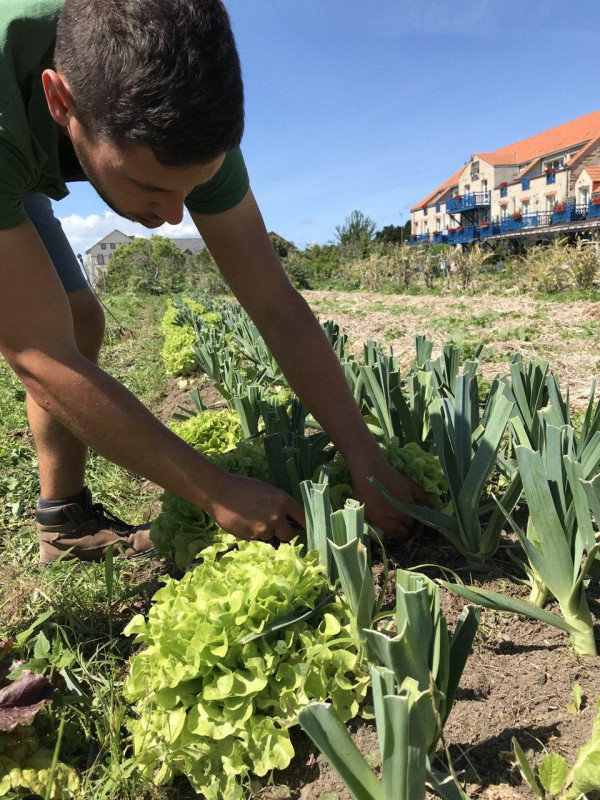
pixel 554 163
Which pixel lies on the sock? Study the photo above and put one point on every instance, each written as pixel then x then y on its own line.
pixel 76 498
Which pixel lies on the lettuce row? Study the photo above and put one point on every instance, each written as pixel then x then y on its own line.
pixel 212 432
pixel 215 708
pixel 182 530
pixel 415 463
pixel 178 349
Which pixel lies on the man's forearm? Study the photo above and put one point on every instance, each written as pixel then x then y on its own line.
pixel 106 416
pixel 304 354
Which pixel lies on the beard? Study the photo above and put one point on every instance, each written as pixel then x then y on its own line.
pixel 95 182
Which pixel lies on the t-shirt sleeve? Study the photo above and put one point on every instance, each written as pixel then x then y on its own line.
pixel 224 190
pixel 15 178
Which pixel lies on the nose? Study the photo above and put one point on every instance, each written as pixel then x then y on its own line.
pixel 169 209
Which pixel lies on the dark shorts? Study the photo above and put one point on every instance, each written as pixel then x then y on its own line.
pixel 39 210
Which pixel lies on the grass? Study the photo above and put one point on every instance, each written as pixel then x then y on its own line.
pixel 131 354
pixel 76 612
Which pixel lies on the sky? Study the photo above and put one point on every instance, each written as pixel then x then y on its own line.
pixel 370 105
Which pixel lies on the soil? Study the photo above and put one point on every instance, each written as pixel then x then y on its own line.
pixel 565 334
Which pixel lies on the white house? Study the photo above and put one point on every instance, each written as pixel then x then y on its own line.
pixel 99 254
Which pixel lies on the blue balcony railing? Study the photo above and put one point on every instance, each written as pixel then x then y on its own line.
pixel 510 224
pixel 530 220
pixel 593 209
pixel 467 202
pixel 563 215
pixel 467 234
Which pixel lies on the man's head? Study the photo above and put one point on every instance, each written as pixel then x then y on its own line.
pixel 151 94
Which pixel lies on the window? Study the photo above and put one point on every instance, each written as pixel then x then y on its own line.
pixel 525 207
pixel 526 184
pixel 425 212
pixel 467 188
pixel 100 261
pixel 113 246
pixel 584 195
pixel 103 247
pixel 474 170
pixel 554 163
pixel 504 211
pixel 503 191
pixel 484 185
pixel 550 201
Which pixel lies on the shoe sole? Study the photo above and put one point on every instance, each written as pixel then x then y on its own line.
pixel 135 557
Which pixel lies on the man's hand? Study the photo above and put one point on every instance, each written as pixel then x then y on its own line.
pixel 252 509
pixel 378 511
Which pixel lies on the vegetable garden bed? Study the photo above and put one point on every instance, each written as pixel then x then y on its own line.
pixel 521 679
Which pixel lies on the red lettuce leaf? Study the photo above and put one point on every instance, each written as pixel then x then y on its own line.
pixel 22 699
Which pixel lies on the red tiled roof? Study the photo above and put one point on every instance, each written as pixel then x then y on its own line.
pixel 569 134
pixel 594 172
pixel 452 180
pixel 583 130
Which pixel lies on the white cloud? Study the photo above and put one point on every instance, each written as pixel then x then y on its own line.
pixel 83 232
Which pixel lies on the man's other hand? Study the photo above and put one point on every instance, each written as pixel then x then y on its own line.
pixel 378 511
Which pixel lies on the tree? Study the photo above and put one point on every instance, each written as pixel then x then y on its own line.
pixel 357 229
pixel 392 234
pixel 147 266
pixel 281 246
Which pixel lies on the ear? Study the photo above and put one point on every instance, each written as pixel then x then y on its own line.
pixel 58 96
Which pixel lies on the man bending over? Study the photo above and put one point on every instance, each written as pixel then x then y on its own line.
pixel 143 99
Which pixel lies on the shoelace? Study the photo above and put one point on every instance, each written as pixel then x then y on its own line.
pixel 100 511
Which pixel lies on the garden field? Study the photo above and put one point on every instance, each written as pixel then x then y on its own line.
pixel 521 679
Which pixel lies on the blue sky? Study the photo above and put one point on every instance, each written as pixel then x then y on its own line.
pixel 370 105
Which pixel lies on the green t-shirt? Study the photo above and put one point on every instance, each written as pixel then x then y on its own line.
pixel 29 148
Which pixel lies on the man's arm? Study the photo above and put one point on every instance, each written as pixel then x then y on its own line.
pixel 240 245
pixel 38 341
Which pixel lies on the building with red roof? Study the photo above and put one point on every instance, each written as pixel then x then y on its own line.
pixel 534 182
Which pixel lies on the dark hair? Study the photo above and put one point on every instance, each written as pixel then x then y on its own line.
pixel 162 73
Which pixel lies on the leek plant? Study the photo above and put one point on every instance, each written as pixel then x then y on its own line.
pixel 559 544
pixel 529 390
pixel 564 470
pixel 446 369
pixel 414 684
pixel 342 541
pixel 558 413
pixel 337 339
pixel 467 456
pixel 393 408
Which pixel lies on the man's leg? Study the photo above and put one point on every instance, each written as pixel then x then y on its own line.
pixel 62 457
pixel 70 525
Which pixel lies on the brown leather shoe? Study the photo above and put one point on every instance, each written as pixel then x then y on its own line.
pixel 86 530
